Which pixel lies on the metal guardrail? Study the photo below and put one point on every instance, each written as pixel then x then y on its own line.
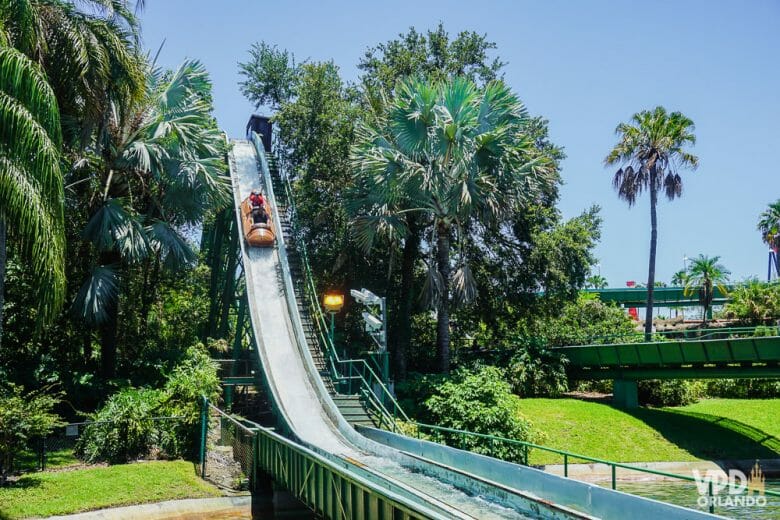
pixel 329 489
pixel 343 371
pixel 567 456
pixel 679 335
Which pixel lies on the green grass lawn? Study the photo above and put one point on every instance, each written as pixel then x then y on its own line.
pixel 63 492
pixel 710 430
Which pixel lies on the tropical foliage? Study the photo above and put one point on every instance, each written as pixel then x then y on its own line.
pixel 118 162
pixel 134 421
pixel 480 402
pixel 460 157
pixel 754 302
pixel 651 151
pixel 31 189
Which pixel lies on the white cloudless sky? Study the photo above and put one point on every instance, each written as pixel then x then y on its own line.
pixel 585 66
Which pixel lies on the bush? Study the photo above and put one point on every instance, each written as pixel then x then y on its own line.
pixel 479 402
pixel 537 371
pixel 23 417
pixel 676 392
pixel 743 388
pixel 125 429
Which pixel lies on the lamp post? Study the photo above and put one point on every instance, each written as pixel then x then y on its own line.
pixel 333 302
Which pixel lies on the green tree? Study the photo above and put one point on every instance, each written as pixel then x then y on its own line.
pixel 167 155
pixel 31 190
pixel 705 274
pixel 651 150
pixel 271 76
pixel 769 224
pixel 456 154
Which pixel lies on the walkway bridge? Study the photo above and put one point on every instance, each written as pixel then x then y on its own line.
pixel 735 352
pixel 318 438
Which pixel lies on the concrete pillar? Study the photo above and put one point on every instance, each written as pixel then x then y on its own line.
pixel 625 394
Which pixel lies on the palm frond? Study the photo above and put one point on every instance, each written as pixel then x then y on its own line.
pixel 97 295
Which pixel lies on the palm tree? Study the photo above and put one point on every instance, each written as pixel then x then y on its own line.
pixel 31 188
pixel 456 155
pixel 769 226
pixel 651 150
pixel 679 278
pixel 705 274
pixel 167 155
pixel 596 281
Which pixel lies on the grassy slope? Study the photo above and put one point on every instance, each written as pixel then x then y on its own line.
pixel 51 493
pixel 712 429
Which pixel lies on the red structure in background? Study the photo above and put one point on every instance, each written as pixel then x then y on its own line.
pixel 632 310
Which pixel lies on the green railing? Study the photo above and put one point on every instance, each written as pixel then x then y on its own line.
pixel 330 489
pixel 524 449
pixel 678 335
pixel 353 376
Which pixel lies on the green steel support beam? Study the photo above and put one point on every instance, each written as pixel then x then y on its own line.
pixel 228 294
pixel 237 348
pixel 625 394
pixel 639 374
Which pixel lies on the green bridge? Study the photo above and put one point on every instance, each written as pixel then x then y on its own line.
pixel 662 296
pixel 710 354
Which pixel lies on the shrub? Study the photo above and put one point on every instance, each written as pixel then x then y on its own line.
pixel 480 402
pixel 23 417
pixel 743 388
pixel 676 392
pixel 125 428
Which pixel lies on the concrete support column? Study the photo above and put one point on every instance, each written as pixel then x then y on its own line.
pixel 625 394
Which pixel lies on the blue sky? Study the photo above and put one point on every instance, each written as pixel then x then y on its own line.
pixel 585 66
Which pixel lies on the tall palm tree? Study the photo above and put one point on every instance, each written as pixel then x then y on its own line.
pixel 455 154
pixel 651 150
pixel 160 169
pixel 769 226
pixel 705 274
pixel 31 188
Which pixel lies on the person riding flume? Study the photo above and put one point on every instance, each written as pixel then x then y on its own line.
pixel 258 207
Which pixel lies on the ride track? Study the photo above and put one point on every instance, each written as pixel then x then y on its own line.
pixel 342 473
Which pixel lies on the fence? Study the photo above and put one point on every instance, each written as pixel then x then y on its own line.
pixel 227 449
pixel 57 449
pixel 518 451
